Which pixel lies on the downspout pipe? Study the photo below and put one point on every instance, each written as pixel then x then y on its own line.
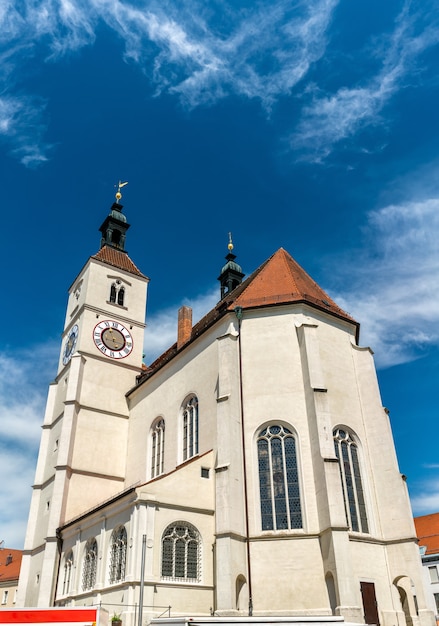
pixel 59 546
pixel 142 581
pixel 238 312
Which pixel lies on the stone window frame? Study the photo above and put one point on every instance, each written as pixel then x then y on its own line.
pixel 68 567
pixel 89 569
pixel 157 447
pixel 348 454
pixel 181 553
pixel 118 555
pixel 280 493
pixel 190 427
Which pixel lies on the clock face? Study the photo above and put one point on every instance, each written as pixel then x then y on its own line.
pixel 113 339
pixel 71 340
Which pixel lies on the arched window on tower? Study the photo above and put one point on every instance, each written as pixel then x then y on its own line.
pixel 113 293
pixel 118 555
pixel 190 428
pixel 121 296
pixel 117 293
pixel 68 566
pixel 346 451
pixel 90 564
pixel 181 548
pixel 278 479
pixel 157 447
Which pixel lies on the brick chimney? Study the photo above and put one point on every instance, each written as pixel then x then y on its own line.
pixel 184 326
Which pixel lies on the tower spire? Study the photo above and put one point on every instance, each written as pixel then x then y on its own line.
pixel 231 274
pixel 115 225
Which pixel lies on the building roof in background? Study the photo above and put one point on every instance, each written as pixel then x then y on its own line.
pixel 427 531
pixel 10 563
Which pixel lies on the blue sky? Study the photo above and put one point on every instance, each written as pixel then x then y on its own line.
pixel 310 125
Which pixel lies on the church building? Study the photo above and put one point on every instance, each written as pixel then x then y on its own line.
pixel 249 472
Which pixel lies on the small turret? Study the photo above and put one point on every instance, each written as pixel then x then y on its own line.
pixel 231 274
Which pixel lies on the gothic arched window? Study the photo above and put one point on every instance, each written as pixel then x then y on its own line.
pixel 68 566
pixel 121 296
pixel 278 479
pixel 157 447
pixel 190 428
pixel 181 548
pixel 90 564
pixel 113 293
pixel 346 451
pixel 118 554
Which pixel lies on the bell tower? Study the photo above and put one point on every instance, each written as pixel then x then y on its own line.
pixel 82 453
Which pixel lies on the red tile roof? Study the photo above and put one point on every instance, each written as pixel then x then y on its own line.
pixel 118 259
pixel 280 280
pixel 427 531
pixel 10 568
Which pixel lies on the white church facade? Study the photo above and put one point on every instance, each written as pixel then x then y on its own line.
pixel 249 471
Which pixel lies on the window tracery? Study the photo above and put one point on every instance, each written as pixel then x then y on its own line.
pixel 279 488
pixel 118 553
pixel 346 451
pixel 68 566
pixel 181 552
pixel 90 564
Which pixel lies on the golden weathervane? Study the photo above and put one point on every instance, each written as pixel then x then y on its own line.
pixel 119 187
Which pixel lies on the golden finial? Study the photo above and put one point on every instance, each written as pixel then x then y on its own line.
pixel 119 187
pixel 230 245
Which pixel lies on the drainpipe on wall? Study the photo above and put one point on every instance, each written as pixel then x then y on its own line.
pixel 59 546
pixel 142 580
pixel 238 313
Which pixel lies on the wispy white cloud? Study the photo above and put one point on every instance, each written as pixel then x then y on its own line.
pixel 392 283
pixel 258 52
pixel 23 388
pixel 425 498
pixel 328 119
pixel 203 51
pixel 161 330
pixel 21 127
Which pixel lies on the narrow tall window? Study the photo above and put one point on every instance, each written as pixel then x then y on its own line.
pixel 434 578
pixel 181 552
pixel 346 451
pixel 113 293
pixel 68 565
pixel 118 555
pixel 121 296
pixel 190 428
pixel 157 448
pixel 90 564
pixel 278 479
